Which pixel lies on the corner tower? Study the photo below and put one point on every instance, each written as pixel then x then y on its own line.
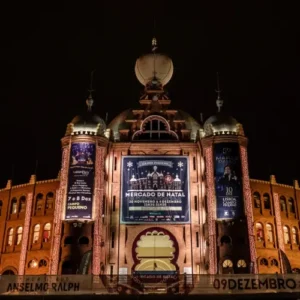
pixel 77 222
pixel 229 234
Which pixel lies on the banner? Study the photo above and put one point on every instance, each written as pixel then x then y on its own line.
pixel 79 202
pixel 276 284
pixel 228 181
pixel 155 189
pixel 43 284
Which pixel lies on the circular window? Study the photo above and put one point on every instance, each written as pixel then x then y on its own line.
pixel 241 263
pixel 227 263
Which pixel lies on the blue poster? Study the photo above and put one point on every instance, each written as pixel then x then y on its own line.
pixel 79 202
pixel 228 181
pixel 155 189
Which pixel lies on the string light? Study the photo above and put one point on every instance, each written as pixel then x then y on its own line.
pixel 54 257
pixel 211 210
pixel 248 206
pixel 25 236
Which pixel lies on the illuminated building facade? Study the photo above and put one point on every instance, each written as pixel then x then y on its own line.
pixel 153 192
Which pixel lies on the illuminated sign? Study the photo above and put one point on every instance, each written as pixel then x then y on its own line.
pixel 80 181
pixel 228 182
pixel 155 189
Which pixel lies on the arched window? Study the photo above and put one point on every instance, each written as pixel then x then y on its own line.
pixel 286 235
pixel 36 233
pixel 267 202
pixel 291 205
pixel 83 240
pixel 10 236
pixel 274 262
pixel 282 203
pixel 19 235
pixel 33 264
pixel 47 232
pixel 39 201
pixel 241 263
pixel 264 262
pixel 14 208
pixel 295 239
pixel 257 202
pixel 1 204
pixel 155 127
pixel 227 263
pixel 22 204
pixel 225 239
pixel 259 232
pixel 42 263
pixel 270 236
pixel 49 200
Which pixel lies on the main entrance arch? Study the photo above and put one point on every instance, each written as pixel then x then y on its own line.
pixel 155 251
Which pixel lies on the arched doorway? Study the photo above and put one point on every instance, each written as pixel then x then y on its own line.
pixel 155 251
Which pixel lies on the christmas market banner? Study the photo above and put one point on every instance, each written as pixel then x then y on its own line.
pixel 155 189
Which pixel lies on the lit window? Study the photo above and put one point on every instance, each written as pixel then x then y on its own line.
pixel 14 207
pixel 227 263
pixel 257 202
pixel 33 264
pixel 39 202
pixel 259 232
pixel 291 205
pixel 267 203
pixel 10 237
pixel 22 204
pixel 286 235
pixel 47 232
pixel 282 203
pixel 19 235
pixel 269 233
pixel 36 233
pixel 49 200
pixel 295 235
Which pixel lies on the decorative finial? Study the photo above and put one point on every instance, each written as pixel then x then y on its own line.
pixel 154 44
pixel 90 101
pixel 219 101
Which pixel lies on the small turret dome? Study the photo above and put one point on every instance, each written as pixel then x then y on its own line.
pixel 221 123
pixel 87 123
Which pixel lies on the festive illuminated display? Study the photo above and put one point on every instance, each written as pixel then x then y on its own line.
pixel 151 197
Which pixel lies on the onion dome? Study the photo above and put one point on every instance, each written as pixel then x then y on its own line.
pixel 154 67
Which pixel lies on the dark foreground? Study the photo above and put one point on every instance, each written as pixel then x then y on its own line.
pixel 265 296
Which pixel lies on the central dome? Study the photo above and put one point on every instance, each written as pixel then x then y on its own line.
pixel 152 64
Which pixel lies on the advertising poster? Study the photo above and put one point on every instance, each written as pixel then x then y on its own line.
pixel 228 181
pixel 79 202
pixel 155 189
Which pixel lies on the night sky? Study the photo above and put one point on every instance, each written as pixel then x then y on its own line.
pixel 48 53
